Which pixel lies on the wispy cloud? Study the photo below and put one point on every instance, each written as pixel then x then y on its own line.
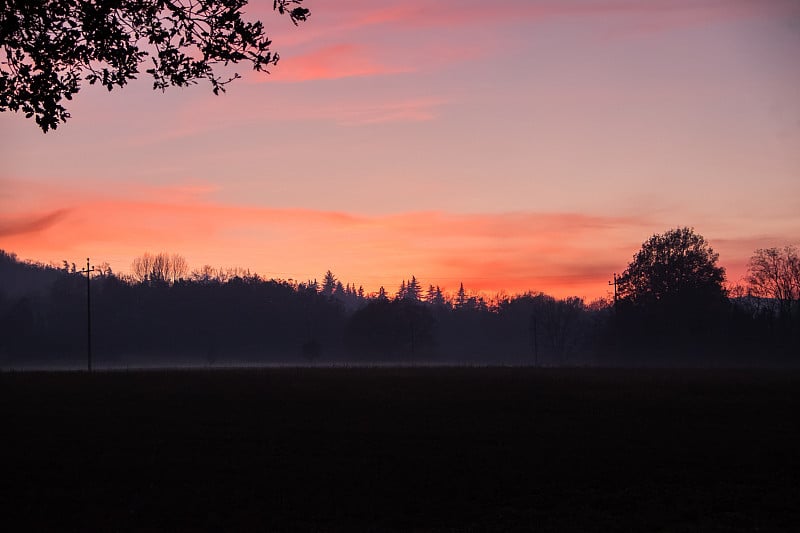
pixel 410 110
pixel 343 60
pixel 449 13
pixel 361 39
pixel 199 118
pixel 26 224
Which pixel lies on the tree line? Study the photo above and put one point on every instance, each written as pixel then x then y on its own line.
pixel 671 307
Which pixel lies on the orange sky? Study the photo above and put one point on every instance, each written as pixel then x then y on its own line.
pixel 529 145
pixel 560 253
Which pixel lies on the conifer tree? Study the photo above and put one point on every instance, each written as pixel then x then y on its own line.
pixel 438 298
pixel 461 297
pixel 413 290
pixel 430 295
pixel 402 292
pixel 328 284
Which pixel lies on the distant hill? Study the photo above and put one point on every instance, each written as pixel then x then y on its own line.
pixel 19 278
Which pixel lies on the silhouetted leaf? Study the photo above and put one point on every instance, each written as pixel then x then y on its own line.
pixel 50 46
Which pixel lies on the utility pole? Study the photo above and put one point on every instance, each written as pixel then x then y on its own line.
pixel 614 283
pixel 88 271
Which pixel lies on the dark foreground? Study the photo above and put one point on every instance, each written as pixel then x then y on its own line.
pixel 401 449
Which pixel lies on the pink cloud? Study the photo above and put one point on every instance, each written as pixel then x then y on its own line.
pixel 343 60
pixel 417 25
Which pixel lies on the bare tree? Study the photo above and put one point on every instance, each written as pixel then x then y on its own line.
pixel 205 274
pixel 178 267
pixel 141 267
pixel 161 267
pixel 774 273
pixel 104 270
pixel 229 273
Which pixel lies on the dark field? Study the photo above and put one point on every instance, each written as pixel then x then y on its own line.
pixel 401 449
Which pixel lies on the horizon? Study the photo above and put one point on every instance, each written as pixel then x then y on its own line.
pixel 392 289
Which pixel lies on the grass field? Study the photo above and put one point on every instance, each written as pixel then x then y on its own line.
pixel 450 449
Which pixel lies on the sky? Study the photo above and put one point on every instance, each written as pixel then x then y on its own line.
pixel 511 145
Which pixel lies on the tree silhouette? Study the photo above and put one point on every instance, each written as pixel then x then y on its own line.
pixel 402 292
pixel 413 290
pixel 164 268
pixel 204 275
pixel 434 295
pixel 382 294
pixel 384 328
pixel 678 264
pixel 50 46
pixel 339 290
pixel 461 297
pixel 329 284
pixel 178 268
pixel 774 273
pixel 223 315
pixel 439 298
pixel 671 297
pixel 550 330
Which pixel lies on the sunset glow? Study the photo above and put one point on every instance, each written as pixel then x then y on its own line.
pixel 520 146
